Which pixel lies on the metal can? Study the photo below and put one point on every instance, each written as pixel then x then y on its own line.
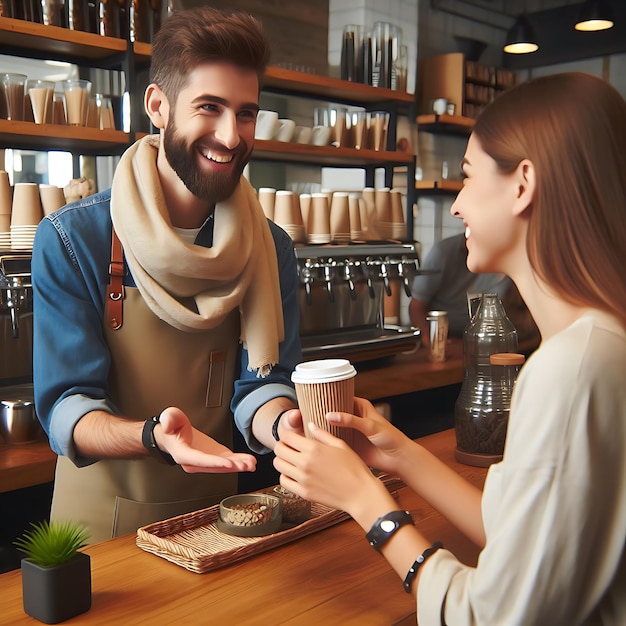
pixel 438 334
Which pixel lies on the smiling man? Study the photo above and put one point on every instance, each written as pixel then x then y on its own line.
pixel 166 305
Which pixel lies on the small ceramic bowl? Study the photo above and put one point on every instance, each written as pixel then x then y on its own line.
pixel 250 515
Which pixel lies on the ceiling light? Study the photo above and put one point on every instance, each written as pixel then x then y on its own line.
pixel 521 39
pixel 594 15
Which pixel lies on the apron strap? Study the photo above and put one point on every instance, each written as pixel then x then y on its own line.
pixel 115 288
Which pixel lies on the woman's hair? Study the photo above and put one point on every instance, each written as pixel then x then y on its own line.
pixel 572 127
pixel 202 35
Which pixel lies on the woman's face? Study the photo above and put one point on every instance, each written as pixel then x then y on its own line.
pixel 486 205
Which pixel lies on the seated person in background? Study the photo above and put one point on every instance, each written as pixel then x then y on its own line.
pixel 448 286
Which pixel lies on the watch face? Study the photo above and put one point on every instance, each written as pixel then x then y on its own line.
pixel 387 525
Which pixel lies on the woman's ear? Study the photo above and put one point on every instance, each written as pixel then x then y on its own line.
pixel 526 182
pixel 156 106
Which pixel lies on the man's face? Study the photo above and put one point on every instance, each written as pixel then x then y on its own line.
pixel 210 131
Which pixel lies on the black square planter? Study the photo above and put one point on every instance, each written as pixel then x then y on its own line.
pixel 54 594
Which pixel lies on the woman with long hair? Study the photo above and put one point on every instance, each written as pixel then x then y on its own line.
pixel 543 201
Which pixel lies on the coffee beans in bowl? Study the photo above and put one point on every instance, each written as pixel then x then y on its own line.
pixel 250 515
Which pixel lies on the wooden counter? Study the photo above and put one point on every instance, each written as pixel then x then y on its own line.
pixel 25 465
pixel 329 577
pixel 406 373
pixel 33 464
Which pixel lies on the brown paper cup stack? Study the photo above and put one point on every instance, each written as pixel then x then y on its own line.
pixel 267 199
pixel 6 194
pixel 368 216
pixel 52 198
pixel 305 206
pixel 287 214
pixel 6 201
pixel 319 219
pixel 356 230
pixel 397 215
pixel 383 213
pixel 323 386
pixel 340 217
pixel 25 215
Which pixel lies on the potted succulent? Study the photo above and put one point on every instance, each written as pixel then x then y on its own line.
pixel 56 577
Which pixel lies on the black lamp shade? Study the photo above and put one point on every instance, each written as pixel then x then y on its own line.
pixel 595 15
pixel 520 39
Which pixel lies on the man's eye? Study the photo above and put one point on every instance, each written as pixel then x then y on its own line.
pixel 248 115
pixel 210 107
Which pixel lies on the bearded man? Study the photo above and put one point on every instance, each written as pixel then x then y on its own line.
pixel 166 305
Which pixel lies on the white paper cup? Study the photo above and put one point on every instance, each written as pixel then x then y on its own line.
pixel 323 386
pixel 266 125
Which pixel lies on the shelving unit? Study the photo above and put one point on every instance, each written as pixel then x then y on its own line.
pixel 468 84
pixel 442 125
pixel 299 84
pixel 28 39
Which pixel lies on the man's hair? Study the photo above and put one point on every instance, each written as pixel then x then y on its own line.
pixel 192 37
pixel 572 127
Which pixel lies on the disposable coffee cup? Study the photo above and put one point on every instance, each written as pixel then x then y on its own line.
pixel 324 386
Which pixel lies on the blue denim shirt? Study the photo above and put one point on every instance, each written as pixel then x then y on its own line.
pixel 71 360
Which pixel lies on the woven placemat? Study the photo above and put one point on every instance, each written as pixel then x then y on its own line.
pixel 194 542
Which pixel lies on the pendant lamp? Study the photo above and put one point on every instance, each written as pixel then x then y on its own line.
pixel 595 15
pixel 520 39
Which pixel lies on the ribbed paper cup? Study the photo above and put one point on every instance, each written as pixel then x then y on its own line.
pixel 323 386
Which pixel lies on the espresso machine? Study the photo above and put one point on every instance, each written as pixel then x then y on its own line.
pixel 341 295
pixel 16 319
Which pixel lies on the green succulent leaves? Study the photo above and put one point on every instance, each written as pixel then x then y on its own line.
pixel 51 544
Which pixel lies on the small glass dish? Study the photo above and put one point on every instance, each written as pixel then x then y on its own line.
pixel 295 509
pixel 250 515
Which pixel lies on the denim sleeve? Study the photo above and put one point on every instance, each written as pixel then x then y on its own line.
pixel 70 357
pixel 251 392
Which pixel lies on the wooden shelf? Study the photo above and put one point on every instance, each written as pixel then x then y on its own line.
pixel 27 135
pixel 56 42
pixel 445 124
pixel 327 155
pixel 438 187
pixel 292 82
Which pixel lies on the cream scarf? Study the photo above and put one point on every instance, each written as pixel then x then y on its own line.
pixel 191 287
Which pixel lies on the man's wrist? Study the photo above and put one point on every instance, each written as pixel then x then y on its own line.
pixel 149 442
pixel 277 423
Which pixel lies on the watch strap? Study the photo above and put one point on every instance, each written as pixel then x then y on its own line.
pixel 276 423
pixel 150 444
pixel 384 528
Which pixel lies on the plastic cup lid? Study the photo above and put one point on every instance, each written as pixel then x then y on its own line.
pixel 323 371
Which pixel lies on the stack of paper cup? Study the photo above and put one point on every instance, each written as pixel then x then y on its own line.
pixel 318 229
pixel 52 198
pixel 26 214
pixel 368 214
pixel 340 218
pixel 323 386
pixel 6 201
pixel 356 230
pixel 267 199
pixel 305 207
pixel 398 227
pixel 287 214
pixel 384 224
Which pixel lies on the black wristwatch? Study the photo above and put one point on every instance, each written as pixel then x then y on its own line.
pixel 384 527
pixel 150 444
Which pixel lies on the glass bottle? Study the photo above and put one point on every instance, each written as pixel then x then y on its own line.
pixel 481 410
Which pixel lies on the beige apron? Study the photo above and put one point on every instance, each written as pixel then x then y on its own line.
pixel 155 366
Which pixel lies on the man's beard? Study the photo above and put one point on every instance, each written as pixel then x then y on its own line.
pixel 212 187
